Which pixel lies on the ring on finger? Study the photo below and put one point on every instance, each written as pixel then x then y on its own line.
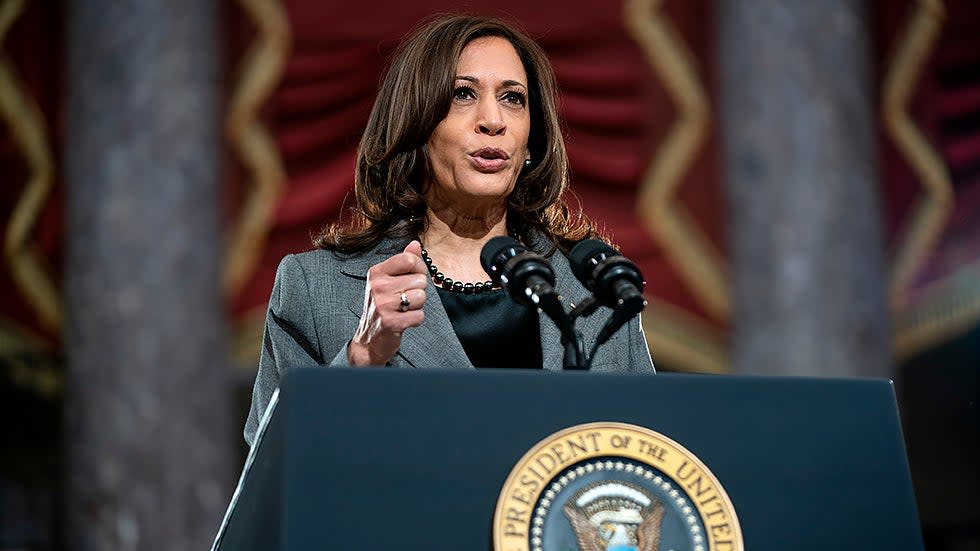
pixel 404 304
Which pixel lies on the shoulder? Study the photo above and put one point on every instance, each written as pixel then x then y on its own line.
pixel 318 262
pixel 319 265
pixel 299 274
pixel 312 261
pixel 294 270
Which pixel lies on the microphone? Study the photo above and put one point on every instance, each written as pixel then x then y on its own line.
pixel 525 276
pixel 529 279
pixel 614 279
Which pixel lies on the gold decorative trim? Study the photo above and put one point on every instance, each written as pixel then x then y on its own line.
pixel 948 308
pixel 261 70
pixel 682 342
pixel 17 339
pixel 687 247
pixel 247 344
pixel 539 485
pixel 22 115
pixel 935 206
pixel 28 362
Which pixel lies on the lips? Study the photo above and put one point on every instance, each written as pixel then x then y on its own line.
pixel 489 159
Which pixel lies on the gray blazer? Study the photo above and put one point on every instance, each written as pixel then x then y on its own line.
pixel 317 300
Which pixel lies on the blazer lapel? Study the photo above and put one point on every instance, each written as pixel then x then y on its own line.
pixel 552 352
pixel 432 344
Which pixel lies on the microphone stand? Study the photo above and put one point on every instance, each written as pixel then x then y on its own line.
pixel 631 306
pixel 576 349
pixel 549 303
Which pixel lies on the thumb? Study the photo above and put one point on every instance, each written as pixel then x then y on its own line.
pixel 414 248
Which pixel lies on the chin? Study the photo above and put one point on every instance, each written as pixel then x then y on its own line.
pixel 490 185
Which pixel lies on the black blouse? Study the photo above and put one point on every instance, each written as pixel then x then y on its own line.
pixel 494 330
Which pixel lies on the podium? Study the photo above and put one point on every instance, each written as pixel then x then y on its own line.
pixel 416 459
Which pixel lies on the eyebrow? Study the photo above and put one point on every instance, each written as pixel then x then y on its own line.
pixel 475 80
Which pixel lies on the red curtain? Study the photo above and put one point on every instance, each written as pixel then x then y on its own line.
pixel 615 108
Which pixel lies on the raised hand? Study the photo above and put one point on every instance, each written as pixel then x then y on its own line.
pixel 393 299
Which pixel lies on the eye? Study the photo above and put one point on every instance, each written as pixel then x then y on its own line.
pixel 515 98
pixel 463 93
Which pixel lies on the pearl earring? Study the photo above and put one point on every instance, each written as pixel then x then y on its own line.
pixel 527 163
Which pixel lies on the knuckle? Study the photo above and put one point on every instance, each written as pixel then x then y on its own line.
pixel 385 320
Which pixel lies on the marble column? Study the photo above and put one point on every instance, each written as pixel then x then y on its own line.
pixel 797 116
pixel 147 401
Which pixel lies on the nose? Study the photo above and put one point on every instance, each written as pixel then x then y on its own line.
pixel 489 118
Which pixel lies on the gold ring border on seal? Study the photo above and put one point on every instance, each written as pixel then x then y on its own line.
pixel 601 434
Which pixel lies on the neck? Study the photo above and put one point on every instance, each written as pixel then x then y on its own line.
pixel 453 228
pixel 454 242
pixel 472 221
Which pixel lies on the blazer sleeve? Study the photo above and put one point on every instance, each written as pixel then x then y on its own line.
pixel 289 338
pixel 639 350
pixel 625 352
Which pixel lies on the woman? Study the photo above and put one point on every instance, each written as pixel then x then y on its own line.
pixel 463 145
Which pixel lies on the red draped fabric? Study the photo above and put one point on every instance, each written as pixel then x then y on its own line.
pixel 615 107
pixel 946 108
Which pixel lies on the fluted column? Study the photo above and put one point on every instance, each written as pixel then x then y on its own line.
pixel 147 404
pixel 797 117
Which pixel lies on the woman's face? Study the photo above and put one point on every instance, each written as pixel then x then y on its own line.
pixel 478 150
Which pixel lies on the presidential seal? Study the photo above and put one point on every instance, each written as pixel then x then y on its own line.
pixel 613 487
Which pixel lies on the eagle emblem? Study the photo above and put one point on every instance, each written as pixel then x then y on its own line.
pixel 615 516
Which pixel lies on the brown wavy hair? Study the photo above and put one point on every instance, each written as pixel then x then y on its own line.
pixel 391 176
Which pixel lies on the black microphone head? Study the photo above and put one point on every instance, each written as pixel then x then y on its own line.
pixel 496 253
pixel 586 255
pixel 603 270
pixel 516 269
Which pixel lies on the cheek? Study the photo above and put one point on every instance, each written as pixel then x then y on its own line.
pixel 438 152
pixel 526 136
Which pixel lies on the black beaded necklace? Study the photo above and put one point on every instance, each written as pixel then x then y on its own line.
pixel 448 284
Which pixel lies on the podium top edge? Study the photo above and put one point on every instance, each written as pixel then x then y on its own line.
pixel 315 371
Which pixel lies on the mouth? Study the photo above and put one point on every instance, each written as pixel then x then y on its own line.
pixel 489 159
